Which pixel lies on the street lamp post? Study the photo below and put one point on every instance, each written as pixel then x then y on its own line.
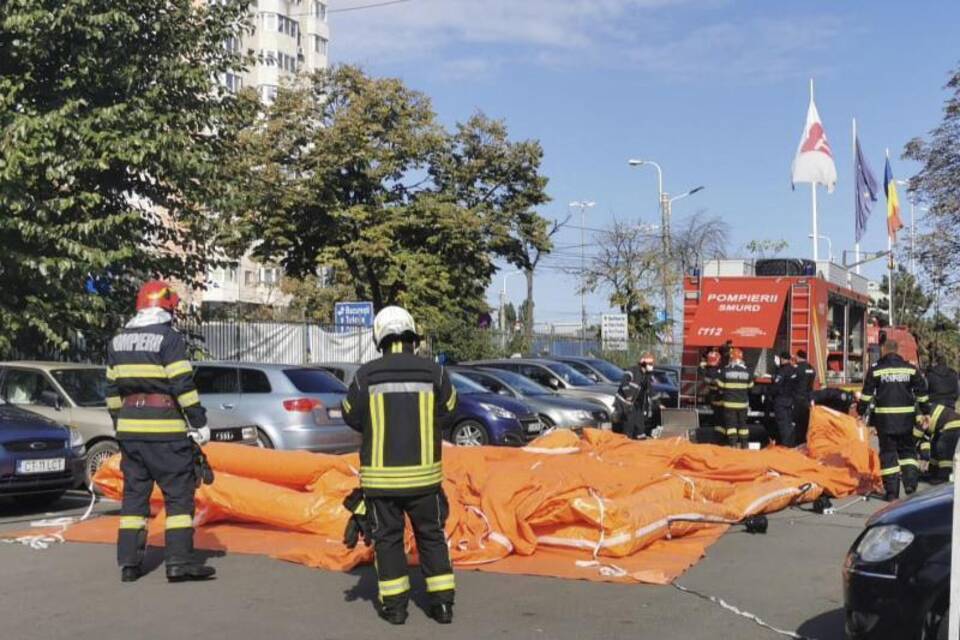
pixel 583 205
pixel 666 207
pixel 503 303
pixel 829 244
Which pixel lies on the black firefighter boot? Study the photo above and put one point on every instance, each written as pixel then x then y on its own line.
pixel 130 574
pixel 442 612
pixel 393 609
pixel 189 572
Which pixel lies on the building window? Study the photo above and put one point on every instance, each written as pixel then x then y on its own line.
pixel 269 20
pixel 320 45
pixel 320 10
pixel 231 272
pixel 268 58
pixel 269 275
pixel 249 278
pixel 288 26
pixel 268 93
pixel 233 82
pixel 233 44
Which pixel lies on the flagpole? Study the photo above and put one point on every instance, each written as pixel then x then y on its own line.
pixel 813 195
pixel 890 288
pixel 856 246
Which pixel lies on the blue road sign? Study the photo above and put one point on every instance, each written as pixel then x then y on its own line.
pixel 350 316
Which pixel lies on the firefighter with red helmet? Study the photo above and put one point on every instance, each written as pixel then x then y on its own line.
pixel 734 383
pixel 159 421
pixel 710 370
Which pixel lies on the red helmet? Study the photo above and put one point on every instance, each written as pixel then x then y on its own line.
pixel 713 358
pixel 157 293
pixel 736 353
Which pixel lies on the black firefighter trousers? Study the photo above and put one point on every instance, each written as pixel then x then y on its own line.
pixel 898 458
pixel 170 465
pixel 428 514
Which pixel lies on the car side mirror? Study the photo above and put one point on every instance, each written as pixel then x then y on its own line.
pixel 51 399
pixel 594 377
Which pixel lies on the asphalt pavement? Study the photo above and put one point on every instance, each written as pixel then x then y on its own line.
pixel 789 577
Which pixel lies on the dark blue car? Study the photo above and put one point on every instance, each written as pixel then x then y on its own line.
pixel 39 459
pixel 484 418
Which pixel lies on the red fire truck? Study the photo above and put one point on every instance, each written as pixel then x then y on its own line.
pixel 768 306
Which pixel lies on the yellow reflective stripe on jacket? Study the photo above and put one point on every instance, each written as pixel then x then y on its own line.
pixel 445 582
pixel 909 462
pixel 735 405
pixel 865 397
pixel 401 477
pixel 180 522
pixel 393 587
pixel 935 416
pixel 114 402
pixel 133 522
pixel 953 424
pixel 894 371
pixel 889 471
pixel 917 433
pixel 136 371
pixel 452 401
pixel 430 427
pixel 178 368
pixel 422 411
pixel 188 399
pixel 345 405
pixel 396 347
pixel 922 399
pixel 129 425
pixel 376 427
pixel 898 410
pixel 735 385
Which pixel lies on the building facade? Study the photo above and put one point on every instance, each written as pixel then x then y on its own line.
pixel 289 37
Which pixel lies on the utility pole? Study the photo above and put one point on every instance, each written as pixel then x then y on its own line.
pixel 583 205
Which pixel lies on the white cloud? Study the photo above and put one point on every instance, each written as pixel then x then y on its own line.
pixel 683 38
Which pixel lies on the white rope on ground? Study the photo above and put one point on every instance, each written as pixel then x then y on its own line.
pixel 44 540
pixel 608 570
pixel 723 604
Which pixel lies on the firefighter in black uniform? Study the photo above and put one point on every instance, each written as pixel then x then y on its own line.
pixel 734 383
pixel 710 370
pixel 637 391
pixel 943 383
pixel 400 403
pixel 159 422
pixel 806 377
pixel 895 388
pixel 836 399
pixel 939 432
pixel 784 392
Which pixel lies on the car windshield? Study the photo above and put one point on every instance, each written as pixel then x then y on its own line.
pixel 671 375
pixel 314 381
pixel 521 384
pixel 569 374
pixel 465 386
pixel 86 387
pixel 608 370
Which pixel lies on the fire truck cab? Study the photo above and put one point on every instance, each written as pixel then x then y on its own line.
pixel 768 306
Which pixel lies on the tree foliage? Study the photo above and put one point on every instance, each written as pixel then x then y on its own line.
pixel 113 130
pixel 698 237
pixel 766 248
pixel 356 173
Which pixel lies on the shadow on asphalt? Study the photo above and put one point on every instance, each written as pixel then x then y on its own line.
pixel 366 588
pixel 826 626
pixel 153 558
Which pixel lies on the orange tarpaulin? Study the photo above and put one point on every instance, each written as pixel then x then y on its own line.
pixel 599 507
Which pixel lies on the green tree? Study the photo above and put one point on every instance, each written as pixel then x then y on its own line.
pixel 766 248
pixel 355 173
pixel 113 130
pixel 910 301
pixel 509 316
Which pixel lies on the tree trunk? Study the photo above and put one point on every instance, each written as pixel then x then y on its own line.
pixel 528 320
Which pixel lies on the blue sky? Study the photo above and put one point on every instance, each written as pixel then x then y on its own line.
pixel 714 90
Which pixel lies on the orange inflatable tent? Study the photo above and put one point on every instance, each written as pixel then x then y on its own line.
pixel 595 507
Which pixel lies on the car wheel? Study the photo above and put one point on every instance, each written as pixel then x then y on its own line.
pixel 469 433
pixel 96 456
pixel 38 500
pixel 263 440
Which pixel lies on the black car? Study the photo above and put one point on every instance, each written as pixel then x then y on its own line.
pixel 896 578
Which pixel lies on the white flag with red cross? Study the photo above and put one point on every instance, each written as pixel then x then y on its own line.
pixel 814 159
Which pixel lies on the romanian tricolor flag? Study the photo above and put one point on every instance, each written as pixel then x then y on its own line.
pixel 894 223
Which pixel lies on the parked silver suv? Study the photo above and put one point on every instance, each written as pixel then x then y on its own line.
pixel 291 407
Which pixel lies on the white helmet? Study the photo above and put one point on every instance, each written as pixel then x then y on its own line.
pixel 393 322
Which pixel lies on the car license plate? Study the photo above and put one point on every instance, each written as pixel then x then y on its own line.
pixel 534 427
pixel 48 465
pixel 335 414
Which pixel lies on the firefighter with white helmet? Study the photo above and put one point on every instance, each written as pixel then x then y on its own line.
pixel 399 403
